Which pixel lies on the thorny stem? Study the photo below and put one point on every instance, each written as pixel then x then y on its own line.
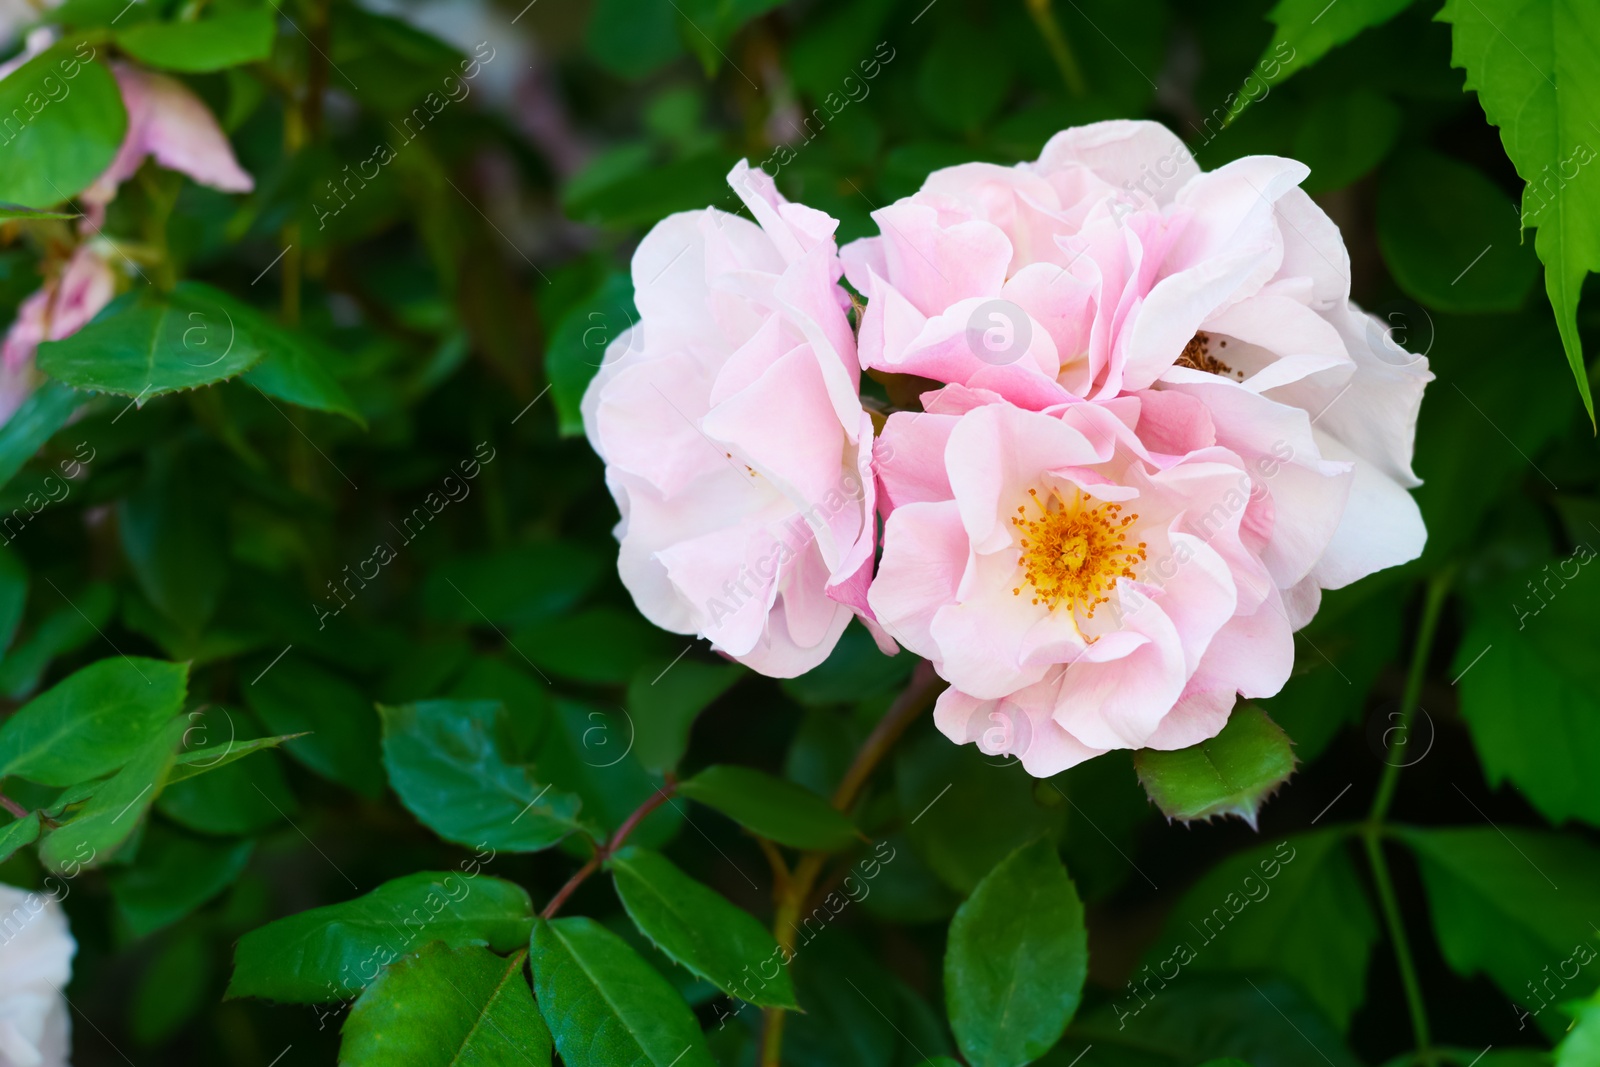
pixel 607 848
pixel 791 892
pixel 1373 831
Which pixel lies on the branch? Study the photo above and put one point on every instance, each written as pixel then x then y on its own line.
pixel 604 850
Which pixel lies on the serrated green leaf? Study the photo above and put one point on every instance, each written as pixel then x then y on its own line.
pixel 771 807
pixel 447 1007
pixel 336 721
pixel 1307 30
pixel 143 346
pixel 116 809
pixel 1508 901
pixel 332 952
pixel 1016 960
pixel 73 122
pixel 198 761
pixel 1232 774
pixel 452 764
pixel 698 928
pixel 93 721
pixel 1297 908
pixel 606 1006
pixel 1536 70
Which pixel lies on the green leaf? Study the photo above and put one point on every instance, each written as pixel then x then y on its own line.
pixel 1509 901
pixel 13 596
pixel 582 340
pixel 965 76
pixel 175 875
pixel 172 990
pixel 61 631
pixel 664 700
pixel 1517 56
pixel 587 751
pixel 1581 1046
pixel 999 807
pixel 1307 30
pixel 17 211
pixel 601 645
pixel 451 763
pixel 770 807
pixel 1343 136
pixel 514 587
pixel 447 1007
pixel 17 833
pixel 93 721
pixel 1297 908
pixel 230 797
pixel 221 40
pixel 1232 774
pixel 699 929
pixel 116 809
pixel 647 195
pixel 45 411
pixel 632 38
pixel 296 696
pixel 605 1006
pixel 1449 236
pixel 1263 1021
pixel 71 124
pixel 293 366
pixel 176 539
pixel 1016 960
pixel 1530 689
pixel 198 761
pixel 143 346
pixel 332 952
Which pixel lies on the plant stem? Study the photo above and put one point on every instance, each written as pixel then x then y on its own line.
pixel 606 849
pixel 791 893
pixel 1056 41
pixel 1372 832
pixel 1397 937
pixel 13 807
pixel 1438 589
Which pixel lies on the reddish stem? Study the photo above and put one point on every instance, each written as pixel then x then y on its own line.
pixel 609 847
pixel 13 807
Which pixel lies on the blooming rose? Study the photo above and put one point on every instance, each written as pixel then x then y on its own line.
pixel 1074 587
pixel 1210 311
pixel 734 438
pixel 36 951
pixel 1115 266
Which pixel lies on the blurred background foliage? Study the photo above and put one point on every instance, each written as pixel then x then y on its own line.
pixel 460 302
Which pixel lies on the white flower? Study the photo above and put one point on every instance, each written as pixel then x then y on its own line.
pixel 36 951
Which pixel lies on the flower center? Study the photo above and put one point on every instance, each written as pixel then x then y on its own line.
pixel 1074 551
pixel 1197 356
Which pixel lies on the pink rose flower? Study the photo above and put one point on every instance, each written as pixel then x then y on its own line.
pixel 1113 265
pixel 167 121
pixel 1079 591
pixel 733 434
pixel 62 307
